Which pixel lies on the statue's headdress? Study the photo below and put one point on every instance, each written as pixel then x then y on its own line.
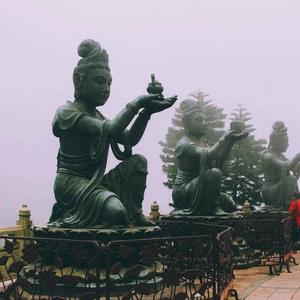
pixel 93 56
pixel 92 53
pixel 279 131
pixel 189 107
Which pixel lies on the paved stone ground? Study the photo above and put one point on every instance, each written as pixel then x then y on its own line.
pixel 256 283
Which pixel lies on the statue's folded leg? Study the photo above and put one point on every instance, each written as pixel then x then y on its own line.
pixel 201 196
pixel 72 210
pixel 128 181
pixel 212 191
pixel 279 196
pixel 227 204
pixel 114 212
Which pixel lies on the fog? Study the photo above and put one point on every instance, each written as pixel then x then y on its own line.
pixel 236 51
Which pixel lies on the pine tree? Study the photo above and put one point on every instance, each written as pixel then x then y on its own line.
pixel 215 124
pixel 242 172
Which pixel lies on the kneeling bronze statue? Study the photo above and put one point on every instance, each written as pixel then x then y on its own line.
pixel 280 174
pixel 85 196
pixel 197 187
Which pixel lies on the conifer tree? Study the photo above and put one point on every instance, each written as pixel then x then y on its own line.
pixel 215 124
pixel 242 172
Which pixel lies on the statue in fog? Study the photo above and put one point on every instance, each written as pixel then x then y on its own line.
pixel 197 187
pixel 85 196
pixel 280 174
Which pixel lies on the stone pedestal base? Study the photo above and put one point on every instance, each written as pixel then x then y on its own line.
pixel 202 219
pixel 98 235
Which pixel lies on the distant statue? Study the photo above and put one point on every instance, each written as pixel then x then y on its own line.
pixel 197 187
pixel 280 174
pixel 86 197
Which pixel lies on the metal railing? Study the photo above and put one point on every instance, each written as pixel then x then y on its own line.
pixel 194 266
pixel 259 242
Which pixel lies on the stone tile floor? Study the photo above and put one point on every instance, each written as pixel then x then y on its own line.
pixel 257 284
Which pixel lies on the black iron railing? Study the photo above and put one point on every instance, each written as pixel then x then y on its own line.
pixel 259 242
pixel 170 266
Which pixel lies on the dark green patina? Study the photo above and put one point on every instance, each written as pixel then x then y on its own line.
pixel 86 197
pixel 280 174
pixel 197 187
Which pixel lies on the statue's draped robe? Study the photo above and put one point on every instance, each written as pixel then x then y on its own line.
pixel 186 197
pixel 197 193
pixel 279 184
pixel 81 188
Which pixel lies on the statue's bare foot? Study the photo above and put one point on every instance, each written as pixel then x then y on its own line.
pixel 218 211
pixel 141 220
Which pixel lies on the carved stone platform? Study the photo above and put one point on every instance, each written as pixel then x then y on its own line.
pixel 203 219
pixel 272 213
pixel 99 235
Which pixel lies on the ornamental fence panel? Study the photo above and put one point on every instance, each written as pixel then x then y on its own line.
pixel 193 266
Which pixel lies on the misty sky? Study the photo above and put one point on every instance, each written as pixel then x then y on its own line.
pixel 236 51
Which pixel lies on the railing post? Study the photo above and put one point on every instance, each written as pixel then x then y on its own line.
pixel 247 208
pixel 216 265
pixel 25 221
pixel 154 213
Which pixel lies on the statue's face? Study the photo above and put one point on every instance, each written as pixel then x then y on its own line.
pixel 197 125
pixel 281 144
pixel 95 88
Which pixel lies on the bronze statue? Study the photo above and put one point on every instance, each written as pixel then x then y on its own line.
pixel 197 187
pixel 280 174
pixel 86 197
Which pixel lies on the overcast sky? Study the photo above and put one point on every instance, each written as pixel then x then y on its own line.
pixel 236 51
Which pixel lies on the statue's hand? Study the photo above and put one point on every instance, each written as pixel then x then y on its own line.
pixel 156 105
pixel 232 136
pixel 143 101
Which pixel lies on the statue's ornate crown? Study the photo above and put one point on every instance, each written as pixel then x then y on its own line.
pixel 91 52
pixel 190 105
pixel 279 127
